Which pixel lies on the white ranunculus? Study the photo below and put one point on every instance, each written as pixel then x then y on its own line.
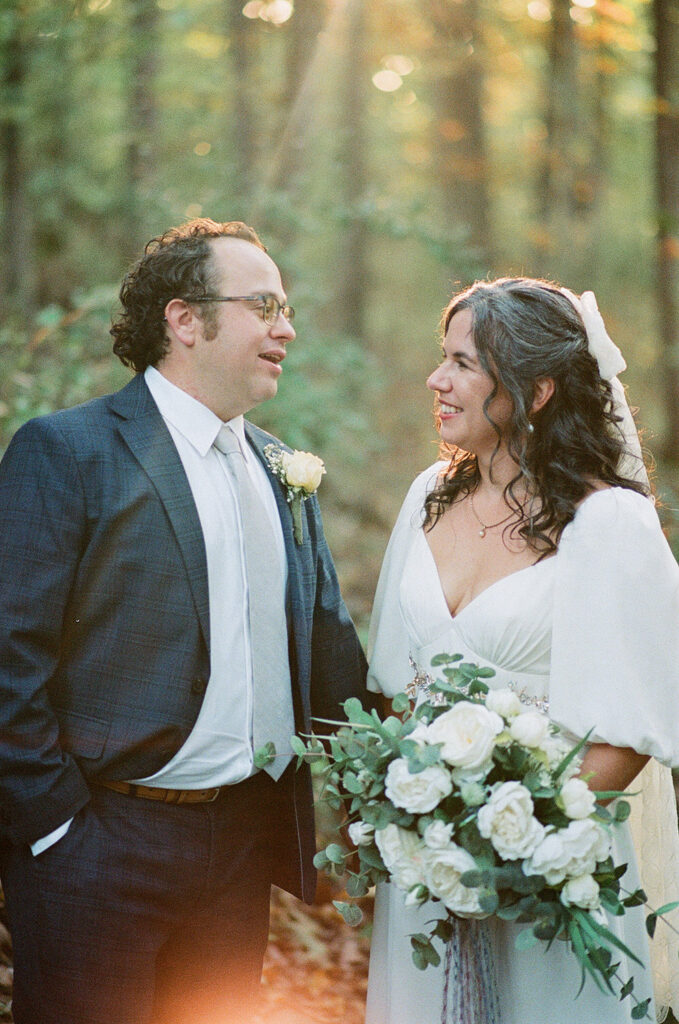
pixel 443 880
pixel 504 702
pixel 302 469
pixel 361 833
pixel 582 891
pixel 507 819
pixel 405 856
pixel 529 728
pixel 419 792
pixel 438 834
pixel 569 852
pixel 577 799
pixel 467 732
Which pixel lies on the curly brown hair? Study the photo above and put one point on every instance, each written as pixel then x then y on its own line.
pixel 176 264
pixel 525 329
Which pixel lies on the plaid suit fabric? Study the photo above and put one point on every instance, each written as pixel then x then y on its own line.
pixel 104 627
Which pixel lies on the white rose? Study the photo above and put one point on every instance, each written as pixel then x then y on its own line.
pixel 577 799
pixel 405 856
pixel 467 733
pixel 419 792
pixel 569 852
pixel 361 833
pixel 437 835
pixel 530 728
pixel 507 819
pixel 504 702
pixel 582 891
pixel 302 469
pixel 443 880
pixel 549 858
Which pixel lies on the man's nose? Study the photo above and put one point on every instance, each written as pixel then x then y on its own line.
pixel 283 329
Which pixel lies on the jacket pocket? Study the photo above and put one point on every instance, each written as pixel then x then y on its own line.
pixel 82 735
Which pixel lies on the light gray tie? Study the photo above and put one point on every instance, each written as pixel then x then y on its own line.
pixel 273 717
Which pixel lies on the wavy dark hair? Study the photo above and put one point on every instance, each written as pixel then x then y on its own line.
pixel 523 330
pixel 176 264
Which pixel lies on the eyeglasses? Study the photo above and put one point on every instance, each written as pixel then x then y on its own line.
pixel 270 306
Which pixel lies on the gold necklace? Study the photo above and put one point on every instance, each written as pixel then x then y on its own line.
pixel 486 526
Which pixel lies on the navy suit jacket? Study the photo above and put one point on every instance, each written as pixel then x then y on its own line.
pixel 104 615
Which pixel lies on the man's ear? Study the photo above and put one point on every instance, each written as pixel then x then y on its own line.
pixel 182 320
pixel 544 389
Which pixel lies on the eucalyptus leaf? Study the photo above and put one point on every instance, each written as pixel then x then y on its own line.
pixel 400 703
pixel 352 914
pixel 640 1011
pixel 526 939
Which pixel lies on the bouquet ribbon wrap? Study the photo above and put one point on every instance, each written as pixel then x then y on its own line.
pixel 470 987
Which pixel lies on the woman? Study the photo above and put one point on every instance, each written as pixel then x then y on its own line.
pixel 533 548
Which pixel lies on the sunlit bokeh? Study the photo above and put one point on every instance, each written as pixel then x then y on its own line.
pixel 387 81
pixel 538 10
pixel 275 11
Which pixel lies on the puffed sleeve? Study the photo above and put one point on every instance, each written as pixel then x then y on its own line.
pixel 388 646
pixel 615 644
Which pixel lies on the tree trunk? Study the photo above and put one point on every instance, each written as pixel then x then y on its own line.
pixel 244 116
pixel 666 17
pixel 556 183
pixel 303 40
pixel 460 143
pixel 143 117
pixel 18 286
pixel 353 262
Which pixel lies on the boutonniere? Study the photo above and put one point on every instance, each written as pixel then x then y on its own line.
pixel 300 473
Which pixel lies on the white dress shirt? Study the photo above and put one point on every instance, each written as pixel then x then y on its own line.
pixel 219 750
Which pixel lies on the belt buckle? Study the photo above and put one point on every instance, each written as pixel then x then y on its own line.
pixel 211 799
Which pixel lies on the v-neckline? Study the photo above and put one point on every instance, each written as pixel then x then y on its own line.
pixel 491 586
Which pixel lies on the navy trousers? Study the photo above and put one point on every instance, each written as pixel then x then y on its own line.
pixel 148 913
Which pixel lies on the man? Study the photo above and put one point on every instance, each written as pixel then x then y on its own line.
pixel 144 661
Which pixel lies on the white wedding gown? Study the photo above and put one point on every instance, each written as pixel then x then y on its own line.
pixel 592 633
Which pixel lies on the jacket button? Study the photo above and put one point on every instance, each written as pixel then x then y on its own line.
pixel 198 685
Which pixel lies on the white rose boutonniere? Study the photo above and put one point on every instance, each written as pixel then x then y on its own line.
pixel 300 473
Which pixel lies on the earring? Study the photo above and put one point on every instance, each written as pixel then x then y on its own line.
pixel 531 428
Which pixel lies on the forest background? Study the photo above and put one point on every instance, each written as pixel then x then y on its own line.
pixel 388 152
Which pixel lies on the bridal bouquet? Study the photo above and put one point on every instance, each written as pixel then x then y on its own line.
pixel 472 799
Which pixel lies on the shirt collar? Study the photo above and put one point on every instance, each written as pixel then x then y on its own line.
pixel 194 421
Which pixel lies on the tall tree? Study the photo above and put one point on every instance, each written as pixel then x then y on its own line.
pixel 17 284
pixel 460 143
pixel 353 162
pixel 241 131
pixel 666 23
pixel 142 115
pixel 302 48
pixel 556 172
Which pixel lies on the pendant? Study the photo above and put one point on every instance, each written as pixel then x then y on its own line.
pixel 482 532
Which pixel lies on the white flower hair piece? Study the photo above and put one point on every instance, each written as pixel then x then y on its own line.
pixel 611 362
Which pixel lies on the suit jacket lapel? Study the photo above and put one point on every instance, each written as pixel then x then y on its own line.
pixel 143 430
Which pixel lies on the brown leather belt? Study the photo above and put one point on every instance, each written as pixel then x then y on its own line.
pixel 167 796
